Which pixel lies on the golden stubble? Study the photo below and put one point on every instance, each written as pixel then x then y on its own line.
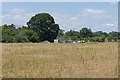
pixel 62 60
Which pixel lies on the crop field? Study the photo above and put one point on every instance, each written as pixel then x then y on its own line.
pixel 62 60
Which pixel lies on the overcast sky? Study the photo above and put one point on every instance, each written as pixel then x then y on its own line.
pixel 99 16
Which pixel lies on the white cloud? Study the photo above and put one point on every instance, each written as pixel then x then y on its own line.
pixel 92 11
pixel 74 18
pixel 5 16
pixel 109 24
pixel 95 13
pixel 16 16
pixel 114 24
pixel 91 18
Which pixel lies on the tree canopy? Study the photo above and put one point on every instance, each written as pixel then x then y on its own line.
pixel 45 26
pixel 85 32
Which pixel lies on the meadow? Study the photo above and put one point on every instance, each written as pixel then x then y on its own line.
pixel 62 60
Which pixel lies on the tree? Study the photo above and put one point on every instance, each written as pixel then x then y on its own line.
pixel 71 34
pixel 31 36
pixel 99 33
pixel 109 38
pixel 8 33
pixel 115 39
pixel 74 37
pixel 19 39
pixel 65 37
pixel 113 33
pixel 34 38
pixel 0 34
pixel 118 36
pixel 102 39
pixel 96 38
pixel 44 25
pixel 85 33
pixel 60 33
pixel 91 39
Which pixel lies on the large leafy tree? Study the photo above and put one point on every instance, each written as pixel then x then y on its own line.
pixel 85 33
pixel 44 25
pixel 72 34
pixel 8 33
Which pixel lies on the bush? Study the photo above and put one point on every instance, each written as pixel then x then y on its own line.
pixel 96 39
pixel 109 38
pixel 92 39
pixel 34 38
pixel 115 39
pixel 19 39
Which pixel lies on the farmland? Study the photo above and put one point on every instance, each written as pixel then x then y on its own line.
pixel 62 60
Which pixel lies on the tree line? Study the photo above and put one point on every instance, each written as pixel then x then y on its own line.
pixel 87 35
pixel 42 27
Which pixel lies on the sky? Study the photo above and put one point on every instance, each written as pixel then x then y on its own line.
pixel 98 16
pixel 60 0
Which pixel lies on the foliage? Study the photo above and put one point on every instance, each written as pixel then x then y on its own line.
pixel 109 38
pixel 0 34
pixel 60 33
pixel 92 39
pixel 8 33
pixel 85 33
pixel 19 39
pixel 45 26
pixel 11 34
pixel 99 33
pixel 72 34
pixel 32 36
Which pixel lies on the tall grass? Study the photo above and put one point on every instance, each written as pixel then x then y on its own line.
pixel 41 60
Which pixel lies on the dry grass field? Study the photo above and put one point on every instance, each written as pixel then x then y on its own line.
pixel 62 60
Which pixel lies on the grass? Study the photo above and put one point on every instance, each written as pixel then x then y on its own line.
pixel 42 60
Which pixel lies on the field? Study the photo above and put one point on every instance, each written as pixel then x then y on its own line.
pixel 62 60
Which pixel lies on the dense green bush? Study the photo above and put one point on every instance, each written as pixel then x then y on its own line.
pixel 17 35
